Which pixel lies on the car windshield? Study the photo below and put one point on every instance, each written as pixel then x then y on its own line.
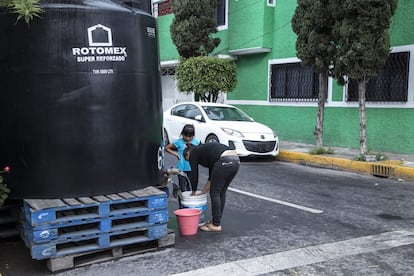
pixel 220 113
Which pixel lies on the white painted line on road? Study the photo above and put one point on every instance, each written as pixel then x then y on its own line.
pixel 304 208
pixel 307 256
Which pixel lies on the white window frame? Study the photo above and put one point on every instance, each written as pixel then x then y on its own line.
pixel 293 103
pixel 226 19
pixel 154 7
pixel 343 103
pixel 410 93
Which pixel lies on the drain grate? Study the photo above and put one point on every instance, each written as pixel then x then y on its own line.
pixel 381 170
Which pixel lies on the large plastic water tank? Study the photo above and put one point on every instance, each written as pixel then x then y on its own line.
pixel 80 100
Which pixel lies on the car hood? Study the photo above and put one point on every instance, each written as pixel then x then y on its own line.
pixel 245 127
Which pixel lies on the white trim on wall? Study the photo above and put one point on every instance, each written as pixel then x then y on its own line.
pixel 226 24
pixel 314 104
pixel 168 63
pixel 271 3
pixel 294 103
pixel 408 48
pixel 154 7
pixel 410 92
pixel 343 103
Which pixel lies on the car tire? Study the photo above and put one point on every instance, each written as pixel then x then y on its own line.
pixel 212 138
pixel 165 137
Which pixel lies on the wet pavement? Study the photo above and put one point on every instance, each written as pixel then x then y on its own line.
pixel 279 230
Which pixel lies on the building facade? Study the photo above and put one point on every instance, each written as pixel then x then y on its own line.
pixel 276 90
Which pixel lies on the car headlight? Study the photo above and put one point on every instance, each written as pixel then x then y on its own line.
pixel 232 132
pixel 274 134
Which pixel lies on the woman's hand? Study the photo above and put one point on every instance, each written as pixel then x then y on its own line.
pixel 206 188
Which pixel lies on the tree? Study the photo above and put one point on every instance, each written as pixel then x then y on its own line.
pixel 191 31
pixel 26 9
pixel 206 76
pixel 192 27
pixel 362 42
pixel 313 22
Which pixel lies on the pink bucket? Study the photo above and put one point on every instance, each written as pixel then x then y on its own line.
pixel 188 219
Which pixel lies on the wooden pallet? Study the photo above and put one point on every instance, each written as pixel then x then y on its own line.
pixel 96 256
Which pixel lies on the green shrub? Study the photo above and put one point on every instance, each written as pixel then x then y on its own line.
pixel 4 190
pixel 321 150
pixel 378 156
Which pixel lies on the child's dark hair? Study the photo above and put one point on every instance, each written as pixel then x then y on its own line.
pixel 188 130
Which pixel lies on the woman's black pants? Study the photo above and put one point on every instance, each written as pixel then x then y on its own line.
pixel 222 174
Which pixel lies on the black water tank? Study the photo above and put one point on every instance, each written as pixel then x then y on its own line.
pixel 80 100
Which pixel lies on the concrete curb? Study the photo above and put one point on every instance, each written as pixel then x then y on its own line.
pixel 391 168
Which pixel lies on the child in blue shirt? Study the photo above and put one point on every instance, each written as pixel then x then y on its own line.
pixel 177 149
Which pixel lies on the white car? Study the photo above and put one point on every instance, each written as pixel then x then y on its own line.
pixel 223 123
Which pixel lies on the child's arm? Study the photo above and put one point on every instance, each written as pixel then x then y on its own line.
pixel 172 149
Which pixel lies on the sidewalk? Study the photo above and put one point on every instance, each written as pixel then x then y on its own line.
pixel 400 166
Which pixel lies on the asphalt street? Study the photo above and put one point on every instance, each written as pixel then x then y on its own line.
pixel 280 219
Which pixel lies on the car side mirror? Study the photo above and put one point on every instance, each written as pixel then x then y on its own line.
pixel 199 118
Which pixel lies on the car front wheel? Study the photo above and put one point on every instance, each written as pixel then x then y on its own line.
pixel 212 138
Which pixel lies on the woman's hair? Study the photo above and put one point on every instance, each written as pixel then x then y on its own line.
pixel 189 147
pixel 188 130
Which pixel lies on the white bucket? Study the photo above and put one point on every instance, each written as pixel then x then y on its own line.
pixel 196 202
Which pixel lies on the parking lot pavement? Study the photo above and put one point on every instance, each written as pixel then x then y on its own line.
pixel 400 166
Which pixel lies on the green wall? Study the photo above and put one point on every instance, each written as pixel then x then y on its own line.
pixel 284 38
pixel 223 47
pixel 251 78
pixel 168 51
pixel 247 33
pixel 254 24
pixel 386 131
pixel 402 26
pixel 252 74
